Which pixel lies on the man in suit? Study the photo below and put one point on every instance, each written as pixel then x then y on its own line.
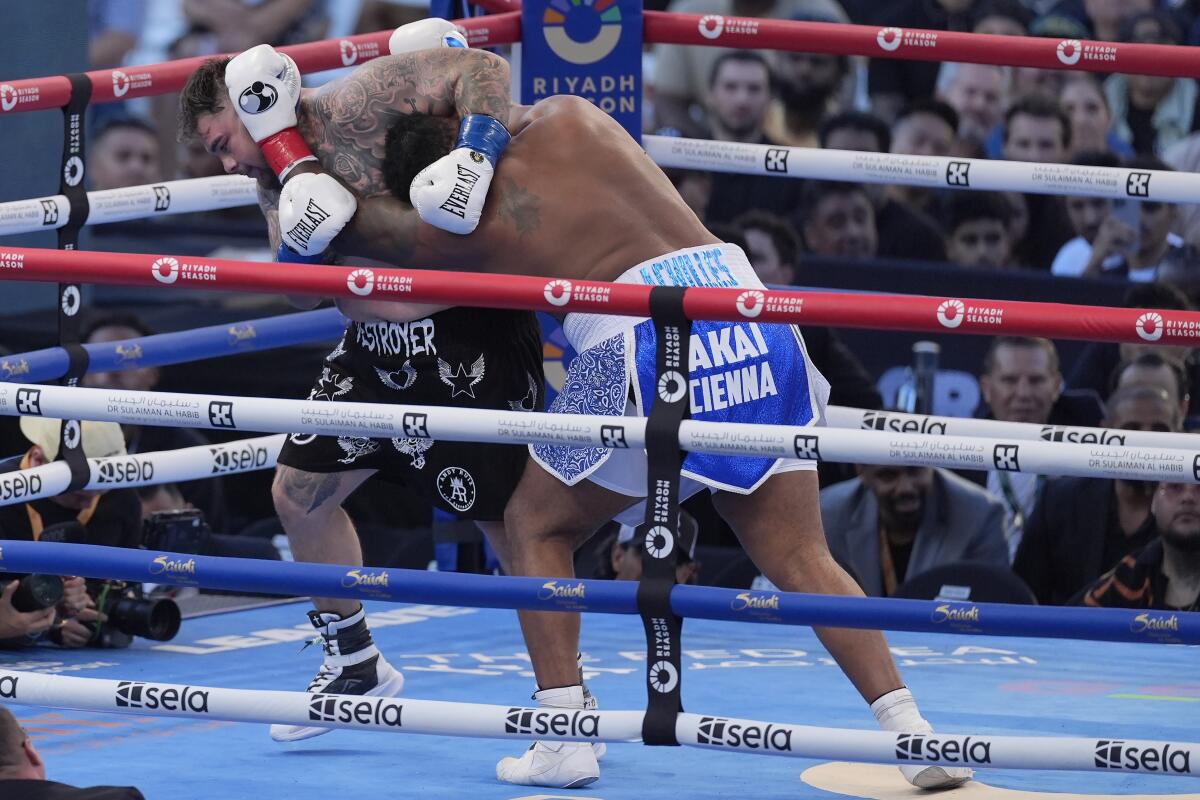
pixel 1081 527
pixel 894 522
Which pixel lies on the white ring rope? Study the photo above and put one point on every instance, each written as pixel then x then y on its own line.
pixel 930 425
pixel 400 715
pixel 934 172
pixel 937 172
pixel 144 469
pixel 400 422
pixel 133 202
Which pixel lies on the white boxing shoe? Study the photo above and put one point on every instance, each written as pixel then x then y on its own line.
pixel 558 765
pixel 897 711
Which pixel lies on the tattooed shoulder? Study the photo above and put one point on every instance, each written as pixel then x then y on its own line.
pixel 519 206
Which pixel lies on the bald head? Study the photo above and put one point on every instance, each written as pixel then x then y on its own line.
pixel 18 759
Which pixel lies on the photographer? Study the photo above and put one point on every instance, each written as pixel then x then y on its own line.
pixel 23 772
pixel 111 517
pixel 15 624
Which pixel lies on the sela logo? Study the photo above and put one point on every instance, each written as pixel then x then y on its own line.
pixel 29 402
pixel 220 414
pixel 776 160
pixel 125 470
pixel 361 282
pixel 337 708
pixel 958 173
pixel 613 435
pixel 721 732
pixel 70 301
pixel 165 270
pixel 751 303
pixel 49 212
pixel 15 485
pixel 416 426
pixel 1119 754
pixel 1053 433
pixel 889 39
pixel 557 292
pixel 879 421
pixel 162 197
pixel 711 27
pixel 1004 456
pixel 120 83
pixel 1069 51
pixel 134 694
pixel 8 687
pixel 237 459
pixel 807 447
pixel 671 387
pixel 1137 184
pixel 1149 326
pixel 951 313
pixel 541 721
pixel 922 747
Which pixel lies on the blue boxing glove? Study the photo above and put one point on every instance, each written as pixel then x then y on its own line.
pixel 450 192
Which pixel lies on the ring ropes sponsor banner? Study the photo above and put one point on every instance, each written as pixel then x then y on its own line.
pixel 591 50
pixel 144 469
pixel 379 421
pixel 399 715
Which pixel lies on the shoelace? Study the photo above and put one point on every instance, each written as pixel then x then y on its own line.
pixel 323 678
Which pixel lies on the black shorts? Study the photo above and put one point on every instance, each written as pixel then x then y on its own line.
pixel 462 357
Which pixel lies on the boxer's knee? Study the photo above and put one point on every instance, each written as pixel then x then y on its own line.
pixel 303 498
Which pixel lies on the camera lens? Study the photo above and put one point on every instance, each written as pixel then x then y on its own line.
pixel 151 619
pixel 37 591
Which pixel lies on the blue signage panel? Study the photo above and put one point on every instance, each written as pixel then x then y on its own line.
pixel 589 48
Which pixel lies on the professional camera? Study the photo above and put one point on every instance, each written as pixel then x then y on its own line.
pixel 130 614
pixel 34 592
pixel 182 531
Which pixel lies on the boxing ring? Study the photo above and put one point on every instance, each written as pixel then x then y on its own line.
pixel 1026 696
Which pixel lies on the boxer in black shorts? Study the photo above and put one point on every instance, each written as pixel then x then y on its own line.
pixel 468 358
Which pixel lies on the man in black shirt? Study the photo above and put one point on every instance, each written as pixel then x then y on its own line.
pixel 23 772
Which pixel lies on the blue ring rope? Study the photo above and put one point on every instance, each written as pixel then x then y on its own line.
pixel 180 347
pixel 611 597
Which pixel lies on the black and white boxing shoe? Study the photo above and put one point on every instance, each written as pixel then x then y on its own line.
pixel 352 665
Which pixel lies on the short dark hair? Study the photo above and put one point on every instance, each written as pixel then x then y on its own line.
pixel 745 57
pixel 123 123
pixel 1034 105
pixel 1013 9
pixel 114 319
pixel 1152 360
pixel 204 93
pixel 786 240
pixel 959 208
pixel 414 141
pixel 1167 26
pixel 1159 294
pixel 1143 161
pixel 812 193
pixel 729 233
pixel 856 121
pixel 937 108
pixel 1032 342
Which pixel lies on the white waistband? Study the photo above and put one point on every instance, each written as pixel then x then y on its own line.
pixel 721 265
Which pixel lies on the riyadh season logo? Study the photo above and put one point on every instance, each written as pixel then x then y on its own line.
pixel 750 303
pixel 1070 51
pixel 165 270
pixel 889 39
pixel 557 292
pixel 1150 326
pixel 712 26
pixel 361 282
pixel 951 313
